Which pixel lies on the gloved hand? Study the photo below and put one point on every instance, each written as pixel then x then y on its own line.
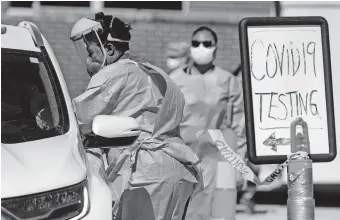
pixel 44 119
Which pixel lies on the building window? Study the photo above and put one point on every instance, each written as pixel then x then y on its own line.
pixel 160 5
pixel 66 3
pixel 21 4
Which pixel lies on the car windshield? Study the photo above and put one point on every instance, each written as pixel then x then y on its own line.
pixel 32 107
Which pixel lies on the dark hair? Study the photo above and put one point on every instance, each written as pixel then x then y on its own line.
pixel 116 29
pixel 120 30
pixel 105 21
pixel 205 28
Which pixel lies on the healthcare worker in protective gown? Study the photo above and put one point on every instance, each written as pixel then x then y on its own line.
pixel 177 55
pixel 153 178
pixel 214 100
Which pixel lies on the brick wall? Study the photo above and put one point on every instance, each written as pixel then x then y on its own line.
pixel 149 39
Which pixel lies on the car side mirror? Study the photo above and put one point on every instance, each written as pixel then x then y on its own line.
pixel 112 131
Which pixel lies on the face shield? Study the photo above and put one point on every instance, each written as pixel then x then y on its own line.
pixel 85 36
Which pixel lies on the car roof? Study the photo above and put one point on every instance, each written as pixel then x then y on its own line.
pixel 17 38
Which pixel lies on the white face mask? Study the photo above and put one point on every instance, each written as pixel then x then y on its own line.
pixel 202 55
pixel 173 63
pixel 92 66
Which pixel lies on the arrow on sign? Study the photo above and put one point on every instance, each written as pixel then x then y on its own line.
pixel 273 142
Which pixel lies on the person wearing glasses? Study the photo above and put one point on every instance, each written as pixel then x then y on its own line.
pixel 213 100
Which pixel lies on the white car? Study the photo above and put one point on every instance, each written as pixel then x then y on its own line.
pixel 46 172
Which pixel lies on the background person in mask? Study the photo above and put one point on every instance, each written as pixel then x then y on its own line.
pixel 153 174
pixel 177 55
pixel 210 92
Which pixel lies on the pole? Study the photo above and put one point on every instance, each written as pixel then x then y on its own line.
pixel 300 203
pixel 225 193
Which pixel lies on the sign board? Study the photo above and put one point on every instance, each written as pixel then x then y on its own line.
pixel 286 75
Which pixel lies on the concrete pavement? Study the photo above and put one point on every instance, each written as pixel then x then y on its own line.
pixel 277 212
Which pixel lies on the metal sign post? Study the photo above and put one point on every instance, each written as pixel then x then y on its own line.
pixel 300 203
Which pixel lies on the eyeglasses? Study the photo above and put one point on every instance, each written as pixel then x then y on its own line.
pixel 196 43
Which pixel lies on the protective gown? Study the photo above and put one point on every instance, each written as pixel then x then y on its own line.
pixel 213 101
pixel 154 178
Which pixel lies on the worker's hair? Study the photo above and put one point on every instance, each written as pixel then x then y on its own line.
pixel 205 28
pixel 116 29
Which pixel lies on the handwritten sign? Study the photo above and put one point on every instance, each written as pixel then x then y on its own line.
pixel 286 75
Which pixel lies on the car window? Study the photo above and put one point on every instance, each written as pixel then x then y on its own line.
pixel 30 106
